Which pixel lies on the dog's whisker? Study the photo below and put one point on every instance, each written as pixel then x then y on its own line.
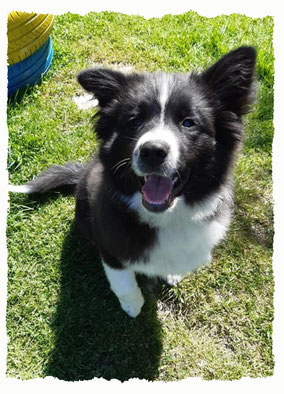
pixel 118 167
pixel 130 138
pixel 121 161
pixel 126 171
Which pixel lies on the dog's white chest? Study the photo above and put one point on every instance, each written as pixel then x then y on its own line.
pixel 184 243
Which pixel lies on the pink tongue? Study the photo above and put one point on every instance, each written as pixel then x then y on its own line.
pixel 157 189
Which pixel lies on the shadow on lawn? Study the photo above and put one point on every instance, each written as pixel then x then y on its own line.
pixel 94 337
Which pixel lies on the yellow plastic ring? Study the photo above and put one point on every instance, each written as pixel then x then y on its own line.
pixel 26 34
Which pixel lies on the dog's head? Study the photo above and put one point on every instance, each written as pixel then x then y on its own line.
pixel 167 134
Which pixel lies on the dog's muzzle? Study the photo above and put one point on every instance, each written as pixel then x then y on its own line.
pixel 160 181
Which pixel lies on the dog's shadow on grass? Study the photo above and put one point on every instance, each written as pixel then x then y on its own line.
pixel 93 336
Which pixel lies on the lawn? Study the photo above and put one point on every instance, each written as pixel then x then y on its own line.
pixel 62 319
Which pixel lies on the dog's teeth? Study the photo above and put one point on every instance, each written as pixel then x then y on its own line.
pixel 175 180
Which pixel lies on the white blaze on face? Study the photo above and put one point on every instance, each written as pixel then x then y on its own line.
pixel 161 131
pixel 165 86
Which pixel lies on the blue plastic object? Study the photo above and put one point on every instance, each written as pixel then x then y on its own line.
pixel 30 70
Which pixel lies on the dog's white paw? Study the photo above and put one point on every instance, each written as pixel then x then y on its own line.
pixel 173 280
pixel 132 302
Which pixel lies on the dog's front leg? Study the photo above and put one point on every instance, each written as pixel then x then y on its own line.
pixel 123 284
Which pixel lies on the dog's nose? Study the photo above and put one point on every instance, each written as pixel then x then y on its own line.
pixel 154 153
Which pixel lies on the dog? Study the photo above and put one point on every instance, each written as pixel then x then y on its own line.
pixel 157 197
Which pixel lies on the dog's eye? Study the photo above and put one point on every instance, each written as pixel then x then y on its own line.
pixel 136 122
pixel 187 123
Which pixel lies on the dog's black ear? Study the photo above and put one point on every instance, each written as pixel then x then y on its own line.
pixel 104 83
pixel 231 80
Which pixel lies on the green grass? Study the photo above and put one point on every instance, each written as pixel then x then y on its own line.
pixel 62 319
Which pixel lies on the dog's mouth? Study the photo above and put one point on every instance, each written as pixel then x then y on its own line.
pixel 159 192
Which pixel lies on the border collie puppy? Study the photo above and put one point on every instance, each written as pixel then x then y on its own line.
pixel 157 196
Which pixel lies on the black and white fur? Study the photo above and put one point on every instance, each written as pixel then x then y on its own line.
pixel 157 197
